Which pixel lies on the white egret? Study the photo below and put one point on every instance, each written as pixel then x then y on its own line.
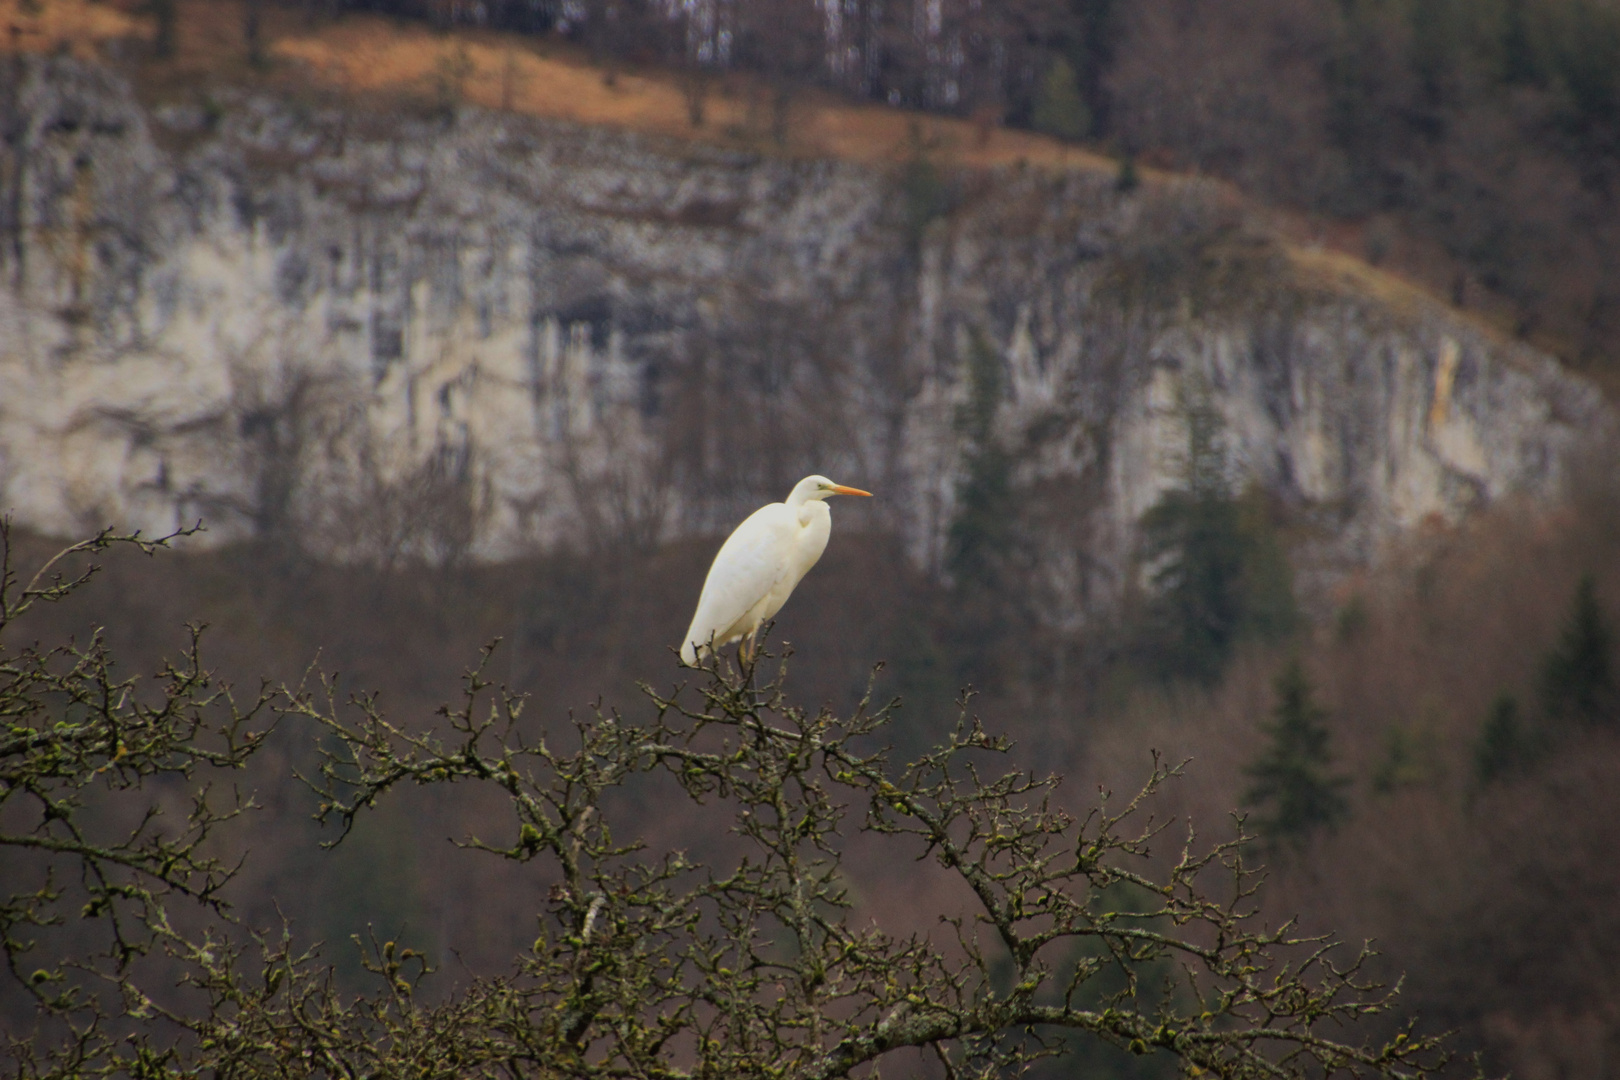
pixel 758 566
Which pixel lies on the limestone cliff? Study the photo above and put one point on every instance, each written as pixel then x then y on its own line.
pixel 417 335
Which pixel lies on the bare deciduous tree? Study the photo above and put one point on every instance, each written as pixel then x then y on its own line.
pixel 649 963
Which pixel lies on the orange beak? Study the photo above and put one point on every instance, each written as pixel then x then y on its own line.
pixel 842 490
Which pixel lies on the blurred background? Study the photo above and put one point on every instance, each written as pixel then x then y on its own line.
pixel 1236 380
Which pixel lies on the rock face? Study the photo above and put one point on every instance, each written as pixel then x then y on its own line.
pixel 420 336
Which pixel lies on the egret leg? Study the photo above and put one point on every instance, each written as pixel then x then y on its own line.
pixel 745 651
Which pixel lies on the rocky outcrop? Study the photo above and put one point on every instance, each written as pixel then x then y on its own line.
pixel 392 335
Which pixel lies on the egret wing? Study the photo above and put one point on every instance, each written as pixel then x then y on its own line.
pixel 749 564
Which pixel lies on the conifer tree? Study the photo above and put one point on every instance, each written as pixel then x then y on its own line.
pixel 984 495
pixel 1294 788
pixel 1219 574
pixel 1577 681
pixel 980 542
pixel 1519 62
pixel 1127 180
pixel 1059 108
pixel 1505 745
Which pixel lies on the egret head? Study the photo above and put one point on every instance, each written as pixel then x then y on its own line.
pixel 819 487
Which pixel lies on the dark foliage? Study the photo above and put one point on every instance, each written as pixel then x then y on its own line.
pixel 980 532
pixel 1059 110
pixel 1577 680
pixel 1294 788
pixel 164 15
pixel 925 194
pixel 1506 746
pixel 1219 575
pixel 980 553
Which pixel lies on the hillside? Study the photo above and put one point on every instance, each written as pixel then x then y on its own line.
pixel 386 62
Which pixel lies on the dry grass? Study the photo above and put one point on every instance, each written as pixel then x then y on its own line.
pixel 74 25
pixel 556 82
pixel 1342 272
pixel 363 54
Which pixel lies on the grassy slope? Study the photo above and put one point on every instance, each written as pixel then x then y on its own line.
pixel 367 55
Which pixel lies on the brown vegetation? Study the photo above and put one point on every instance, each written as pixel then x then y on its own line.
pixel 369 55
pixel 1493 896
pixel 741 949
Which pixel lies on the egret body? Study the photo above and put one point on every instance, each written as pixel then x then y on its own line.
pixel 758 566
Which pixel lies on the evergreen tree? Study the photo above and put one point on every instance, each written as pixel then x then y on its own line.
pixel 1505 745
pixel 164 14
pixel 1220 575
pixel 1059 108
pixel 1127 180
pixel 1577 681
pixel 1586 64
pixel 1436 28
pixel 1192 534
pixel 1408 760
pixel 1294 788
pixel 980 532
pixel 1519 62
pixel 981 540
pixel 1099 25
pixel 253 33
pixel 925 193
